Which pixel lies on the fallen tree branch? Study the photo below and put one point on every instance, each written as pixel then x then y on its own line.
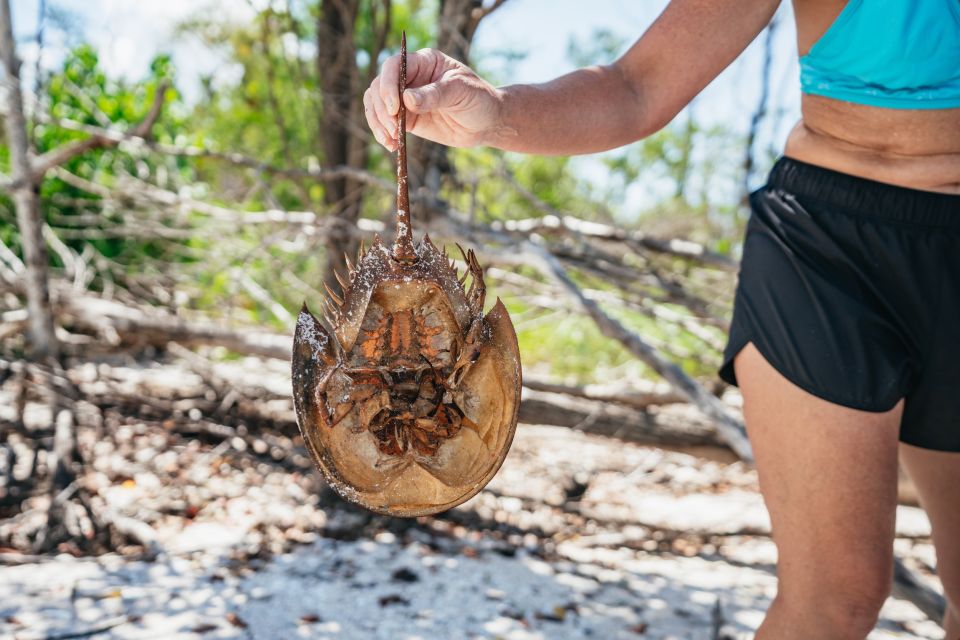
pixel 730 429
pixel 608 268
pixel 620 394
pixel 134 140
pixel 609 412
pixel 140 190
pixel 606 419
pixel 554 221
pixel 136 325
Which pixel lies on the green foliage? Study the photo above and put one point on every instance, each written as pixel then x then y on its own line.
pixel 82 94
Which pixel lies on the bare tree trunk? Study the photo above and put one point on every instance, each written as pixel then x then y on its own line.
pixel 342 134
pixel 43 344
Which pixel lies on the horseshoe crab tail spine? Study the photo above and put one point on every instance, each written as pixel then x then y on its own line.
pixel 403 246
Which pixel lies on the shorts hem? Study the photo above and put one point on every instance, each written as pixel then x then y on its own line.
pixel 906 438
pixel 727 374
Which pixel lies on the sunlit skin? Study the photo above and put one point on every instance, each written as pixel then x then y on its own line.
pixel 828 473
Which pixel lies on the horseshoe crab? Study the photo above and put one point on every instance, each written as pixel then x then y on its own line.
pixel 408 402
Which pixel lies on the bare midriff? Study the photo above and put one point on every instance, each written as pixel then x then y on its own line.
pixel 916 148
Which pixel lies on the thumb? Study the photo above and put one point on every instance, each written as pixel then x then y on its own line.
pixel 433 96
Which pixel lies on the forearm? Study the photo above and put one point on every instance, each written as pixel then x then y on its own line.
pixel 586 111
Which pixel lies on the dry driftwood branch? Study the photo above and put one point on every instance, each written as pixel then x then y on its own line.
pixel 554 220
pixel 10 265
pixel 100 315
pixel 612 413
pixel 646 284
pixel 612 420
pixel 98 138
pixel 617 394
pixel 12 322
pixel 137 190
pixel 731 431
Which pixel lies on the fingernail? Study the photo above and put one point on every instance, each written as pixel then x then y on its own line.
pixel 392 104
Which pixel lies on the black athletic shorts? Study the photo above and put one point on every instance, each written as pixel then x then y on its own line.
pixel 850 288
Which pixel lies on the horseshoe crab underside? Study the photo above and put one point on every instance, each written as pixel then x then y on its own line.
pixel 408 403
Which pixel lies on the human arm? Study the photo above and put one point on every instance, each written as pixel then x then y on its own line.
pixel 591 109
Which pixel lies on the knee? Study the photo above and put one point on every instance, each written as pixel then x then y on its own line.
pixel 857 610
pixel 847 606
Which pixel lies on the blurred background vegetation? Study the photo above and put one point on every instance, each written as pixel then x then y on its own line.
pixel 159 219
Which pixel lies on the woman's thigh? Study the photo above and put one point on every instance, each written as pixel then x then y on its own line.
pixel 829 479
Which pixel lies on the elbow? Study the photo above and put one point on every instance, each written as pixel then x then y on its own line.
pixel 647 111
pixel 649 122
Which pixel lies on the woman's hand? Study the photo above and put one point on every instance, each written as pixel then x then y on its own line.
pixel 446 101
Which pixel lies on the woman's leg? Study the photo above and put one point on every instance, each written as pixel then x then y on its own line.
pixel 936 475
pixel 829 479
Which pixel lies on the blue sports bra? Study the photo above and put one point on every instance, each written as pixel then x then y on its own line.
pixel 899 54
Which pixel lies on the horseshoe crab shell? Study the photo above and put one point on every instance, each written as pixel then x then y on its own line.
pixel 387 324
